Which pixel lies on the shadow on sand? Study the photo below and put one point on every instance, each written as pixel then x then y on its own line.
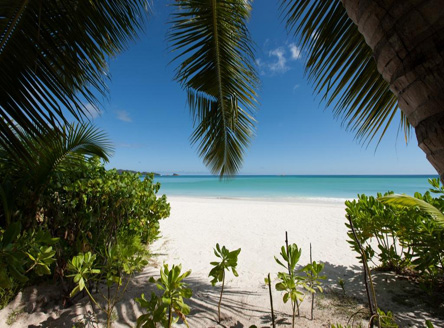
pixel 410 304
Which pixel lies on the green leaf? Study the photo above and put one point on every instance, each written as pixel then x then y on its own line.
pixel 187 292
pixel 217 71
pixel 11 233
pixel 408 201
pixel 81 284
pixel 341 67
pixel 166 301
pixel 286 296
pixel 429 324
pixel 61 68
pixel 74 291
pixel 280 286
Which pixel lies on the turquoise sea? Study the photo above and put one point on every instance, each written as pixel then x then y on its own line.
pixel 331 187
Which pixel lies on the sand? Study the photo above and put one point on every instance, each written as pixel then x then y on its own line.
pixel 257 227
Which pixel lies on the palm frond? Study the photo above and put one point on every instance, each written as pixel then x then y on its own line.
pixel 216 70
pixel 341 67
pixel 53 59
pixel 408 201
pixel 56 150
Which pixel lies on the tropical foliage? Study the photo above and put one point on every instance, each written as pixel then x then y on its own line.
pixel 289 281
pixel 66 204
pixel 313 280
pixel 170 307
pixel 406 236
pixel 54 61
pixel 51 153
pixel 341 67
pixel 28 247
pixel 217 72
pixel 228 261
pixel 115 267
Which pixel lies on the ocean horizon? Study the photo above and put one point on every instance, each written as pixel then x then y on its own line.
pixel 335 188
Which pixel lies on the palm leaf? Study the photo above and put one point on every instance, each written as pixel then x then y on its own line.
pixel 54 150
pixel 48 152
pixel 408 201
pixel 216 71
pixel 341 67
pixel 53 60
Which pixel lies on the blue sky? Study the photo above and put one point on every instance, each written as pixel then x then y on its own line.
pixel 147 119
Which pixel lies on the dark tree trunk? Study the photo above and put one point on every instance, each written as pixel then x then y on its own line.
pixel 407 39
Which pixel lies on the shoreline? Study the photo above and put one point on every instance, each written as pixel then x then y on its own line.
pixel 308 200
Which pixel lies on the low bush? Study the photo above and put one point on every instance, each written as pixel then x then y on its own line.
pixel 81 208
pixel 406 237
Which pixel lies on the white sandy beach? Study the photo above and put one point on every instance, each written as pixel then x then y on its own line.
pixel 258 228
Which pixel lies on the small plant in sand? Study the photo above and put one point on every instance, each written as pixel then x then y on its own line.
pixel 289 281
pixel 341 283
pixel 163 309
pixel 228 261
pixel 312 281
pixel 122 260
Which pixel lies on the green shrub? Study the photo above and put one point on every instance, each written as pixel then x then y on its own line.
pixel 170 307
pixel 82 208
pixel 114 268
pixel 228 261
pixel 406 236
pixel 375 221
pixel 289 282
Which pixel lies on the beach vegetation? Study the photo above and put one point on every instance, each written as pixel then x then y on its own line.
pixel 44 48
pixel 113 268
pixel 413 224
pixel 228 261
pixel 216 68
pixel 385 320
pixel 368 82
pixel 408 231
pixel 66 203
pixel 14 315
pixel 289 281
pixel 170 306
pixel 313 280
pixel 341 283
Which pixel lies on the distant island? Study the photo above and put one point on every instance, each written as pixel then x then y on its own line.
pixel 120 171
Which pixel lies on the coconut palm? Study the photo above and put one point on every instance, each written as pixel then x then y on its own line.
pixel 217 72
pixel 53 60
pixel 49 152
pixel 392 57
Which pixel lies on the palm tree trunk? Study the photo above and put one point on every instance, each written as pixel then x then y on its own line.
pixel 407 40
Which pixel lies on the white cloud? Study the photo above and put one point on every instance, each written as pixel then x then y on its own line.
pixel 280 65
pixel 123 115
pixel 295 51
pixel 295 87
pixel 92 111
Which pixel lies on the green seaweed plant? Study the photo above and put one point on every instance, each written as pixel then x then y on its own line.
pixel 228 261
